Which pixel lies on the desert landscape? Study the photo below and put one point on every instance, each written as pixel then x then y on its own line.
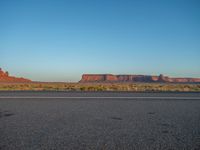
pixel 99 75
pixel 104 82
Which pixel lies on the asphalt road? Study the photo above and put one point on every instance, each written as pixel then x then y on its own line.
pixel 102 121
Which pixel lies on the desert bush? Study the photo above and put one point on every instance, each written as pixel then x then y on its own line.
pixel 83 88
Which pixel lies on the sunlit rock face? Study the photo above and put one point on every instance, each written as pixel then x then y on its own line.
pixel 4 77
pixel 135 78
pixel 2 73
pixel 93 78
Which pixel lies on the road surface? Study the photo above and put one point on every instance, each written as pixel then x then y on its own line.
pixel 99 120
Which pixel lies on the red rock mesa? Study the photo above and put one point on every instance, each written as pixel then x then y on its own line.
pixel 4 77
pixel 135 78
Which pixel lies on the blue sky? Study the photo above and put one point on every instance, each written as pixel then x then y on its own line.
pixel 59 40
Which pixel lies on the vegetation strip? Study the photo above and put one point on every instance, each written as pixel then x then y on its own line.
pixel 134 87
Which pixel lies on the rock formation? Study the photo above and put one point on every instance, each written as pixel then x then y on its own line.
pixel 4 77
pixel 135 78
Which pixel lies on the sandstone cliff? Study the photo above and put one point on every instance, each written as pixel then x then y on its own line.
pixel 135 78
pixel 4 77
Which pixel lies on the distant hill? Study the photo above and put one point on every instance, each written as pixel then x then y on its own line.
pixel 5 77
pixel 135 78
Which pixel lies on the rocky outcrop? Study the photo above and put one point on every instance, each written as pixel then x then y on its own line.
pixel 98 77
pixel 4 77
pixel 135 78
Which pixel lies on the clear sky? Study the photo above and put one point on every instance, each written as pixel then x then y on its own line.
pixel 59 40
